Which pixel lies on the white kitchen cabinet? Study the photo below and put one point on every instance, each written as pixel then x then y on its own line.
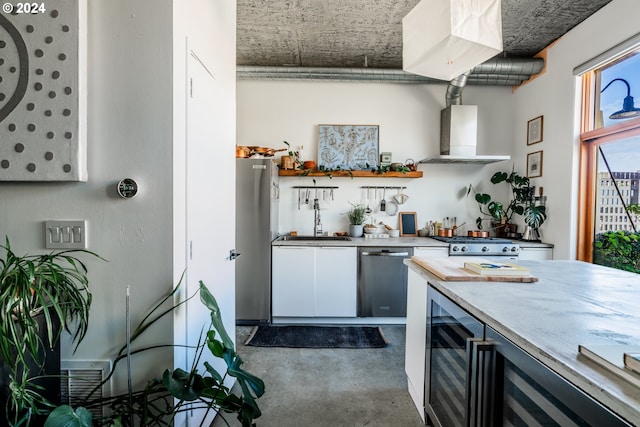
pixel 336 281
pixel 292 287
pixel 416 333
pixel 535 254
pixel 430 252
pixel 312 281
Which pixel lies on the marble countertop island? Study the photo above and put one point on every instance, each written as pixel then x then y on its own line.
pixel 573 303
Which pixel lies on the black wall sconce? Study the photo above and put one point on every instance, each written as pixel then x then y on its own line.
pixel 629 110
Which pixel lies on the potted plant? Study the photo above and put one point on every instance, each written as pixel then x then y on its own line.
pixel 521 203
pixel 40 296
pixel 356 220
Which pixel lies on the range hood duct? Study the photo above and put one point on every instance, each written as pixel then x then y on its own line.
pixel 495 72
pixel 459 123
pixel 455 88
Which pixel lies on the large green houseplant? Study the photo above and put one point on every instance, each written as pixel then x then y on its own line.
pixel 522 202
pixel 173 391
pixel 40 296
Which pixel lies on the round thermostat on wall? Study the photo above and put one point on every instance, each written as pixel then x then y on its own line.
pixel 127 188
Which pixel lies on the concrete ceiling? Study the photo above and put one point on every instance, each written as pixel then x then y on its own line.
pixel 368 33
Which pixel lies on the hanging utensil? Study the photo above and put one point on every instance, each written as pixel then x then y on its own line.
pixel 368 209
pixel 298 198
pixel 383 203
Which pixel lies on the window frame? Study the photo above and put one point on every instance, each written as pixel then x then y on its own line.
pixel 590 139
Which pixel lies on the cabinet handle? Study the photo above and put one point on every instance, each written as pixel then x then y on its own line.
pixel 479 393
pixel 385 253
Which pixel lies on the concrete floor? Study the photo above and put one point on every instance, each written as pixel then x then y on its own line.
pixel 331 387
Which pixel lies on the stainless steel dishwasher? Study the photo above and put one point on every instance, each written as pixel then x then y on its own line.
pixel 382 281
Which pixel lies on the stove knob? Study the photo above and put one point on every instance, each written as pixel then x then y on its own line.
pixel 506 249
pixel 454 249
pixel 514 249
pixel 485 249
pixel 464 249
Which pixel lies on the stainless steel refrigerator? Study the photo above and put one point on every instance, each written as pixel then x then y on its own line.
pixel 257 195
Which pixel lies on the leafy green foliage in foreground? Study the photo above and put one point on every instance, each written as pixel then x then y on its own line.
pixel 154 405
pixel 618 249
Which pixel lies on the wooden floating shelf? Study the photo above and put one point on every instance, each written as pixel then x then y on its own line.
pixel 349 174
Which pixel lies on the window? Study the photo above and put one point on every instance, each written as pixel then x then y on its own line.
pixel 610 164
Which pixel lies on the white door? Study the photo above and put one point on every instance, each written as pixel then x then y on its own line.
pixel 210 199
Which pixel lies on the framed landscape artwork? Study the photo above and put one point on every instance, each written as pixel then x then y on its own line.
pixel 534 164
pixel 348 147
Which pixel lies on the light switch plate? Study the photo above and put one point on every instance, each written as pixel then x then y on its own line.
pixel 65 234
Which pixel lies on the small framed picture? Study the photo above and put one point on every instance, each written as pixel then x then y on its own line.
pixel 408 223
pixel 534 130
pixel 534 164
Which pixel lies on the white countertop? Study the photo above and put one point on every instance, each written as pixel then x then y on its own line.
pixel 391 242
pixel 573 303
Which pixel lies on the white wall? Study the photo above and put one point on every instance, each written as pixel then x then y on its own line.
pixel 556 95
pixel 270 112
pixel 129 135
pixel 136 128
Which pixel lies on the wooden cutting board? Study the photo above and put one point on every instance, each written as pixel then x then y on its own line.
pixel 452 269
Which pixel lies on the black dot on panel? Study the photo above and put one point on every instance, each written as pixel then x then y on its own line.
pixel 48 155
pixel 66 112
pixel 50 135
pixel 0 79
pixel 3 44
pixel 2 96
pixel 31 106
pixel 1 61
pixel 31 167
pixel 5 164
pixel 39 71
pixel 31 127
pixel 39 53
pixel 19 147
pixel 48 40
pixel 55 75
pixel 68 135
pixel 12 69
pixel 67 168
pixel 12 127
pixel 52 94
pixel 38 86
pixel 62 57
pixel 48 113
pixel 54 13
pixel 65 28
pixel 67 90
pixel 29 28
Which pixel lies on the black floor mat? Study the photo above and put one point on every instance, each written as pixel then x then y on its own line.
pixel 317 336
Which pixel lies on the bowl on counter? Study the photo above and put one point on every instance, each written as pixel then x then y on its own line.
pixel 372 229
pixel 393 233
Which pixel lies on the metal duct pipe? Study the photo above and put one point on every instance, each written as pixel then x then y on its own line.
pixel 511 67
pixel 454 90
pixel 505 72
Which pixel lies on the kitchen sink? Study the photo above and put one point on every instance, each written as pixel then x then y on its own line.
pixel 315 238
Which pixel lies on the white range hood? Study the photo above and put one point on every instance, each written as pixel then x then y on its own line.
pixel 459 136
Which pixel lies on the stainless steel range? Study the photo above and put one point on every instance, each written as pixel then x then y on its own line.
pixel 481 246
